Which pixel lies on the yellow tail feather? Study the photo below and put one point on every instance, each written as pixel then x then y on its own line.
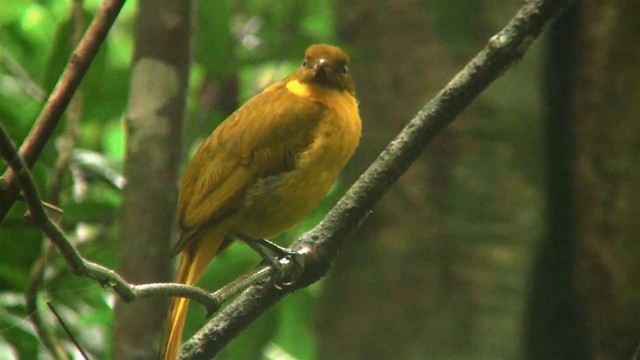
pixel 192 264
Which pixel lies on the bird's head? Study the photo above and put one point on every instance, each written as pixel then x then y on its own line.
pixel 328 66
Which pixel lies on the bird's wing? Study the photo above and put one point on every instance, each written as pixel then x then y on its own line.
pixel 260 139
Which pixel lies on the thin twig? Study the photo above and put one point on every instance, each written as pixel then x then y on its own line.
pixel 67 330
pixel 323 242
pixel 60 96
pixel 31 299
pixel 80 266
pixel 14 67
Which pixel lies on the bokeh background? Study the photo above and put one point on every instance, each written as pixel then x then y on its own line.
pixel 515 235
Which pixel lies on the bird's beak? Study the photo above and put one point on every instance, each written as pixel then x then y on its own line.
pixel 319 66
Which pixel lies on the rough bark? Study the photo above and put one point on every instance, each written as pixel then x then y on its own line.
pixel 154 122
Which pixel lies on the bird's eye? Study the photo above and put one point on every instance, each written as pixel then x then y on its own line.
pixel 304 63
pixel 345 69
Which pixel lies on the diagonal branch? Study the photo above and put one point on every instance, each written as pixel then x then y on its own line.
pixel 323 242
pixel 60 96
pixel 80 266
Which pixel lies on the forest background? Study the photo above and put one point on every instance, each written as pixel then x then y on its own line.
pixel 515 234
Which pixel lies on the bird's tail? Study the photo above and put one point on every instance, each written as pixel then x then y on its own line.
pixel 193 261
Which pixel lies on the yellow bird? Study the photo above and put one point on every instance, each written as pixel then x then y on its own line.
pixel 265 167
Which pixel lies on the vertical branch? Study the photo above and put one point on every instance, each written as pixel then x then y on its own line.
pixel 154 121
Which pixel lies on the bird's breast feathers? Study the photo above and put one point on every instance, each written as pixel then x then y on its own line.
pixel 338 133
pixel 276 202
pixel 289 142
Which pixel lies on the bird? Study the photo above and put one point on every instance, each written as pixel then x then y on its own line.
pixel 265 167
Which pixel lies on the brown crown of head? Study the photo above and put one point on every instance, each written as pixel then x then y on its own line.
pixel 328 66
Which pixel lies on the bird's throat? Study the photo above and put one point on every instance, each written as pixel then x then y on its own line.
pixel 299 89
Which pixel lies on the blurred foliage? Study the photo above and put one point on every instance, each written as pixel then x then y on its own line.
pixel 256 42
pixel 456 23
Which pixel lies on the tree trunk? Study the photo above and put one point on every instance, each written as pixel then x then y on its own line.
pixel 548 334
pixel 584 301
pixel 554 329
pixel 607 175
pixel 154 122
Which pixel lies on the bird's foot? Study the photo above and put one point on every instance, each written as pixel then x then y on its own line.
pixel 288 269
pixel 288 264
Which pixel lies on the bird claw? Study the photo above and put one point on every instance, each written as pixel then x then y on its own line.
pixel 288 270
